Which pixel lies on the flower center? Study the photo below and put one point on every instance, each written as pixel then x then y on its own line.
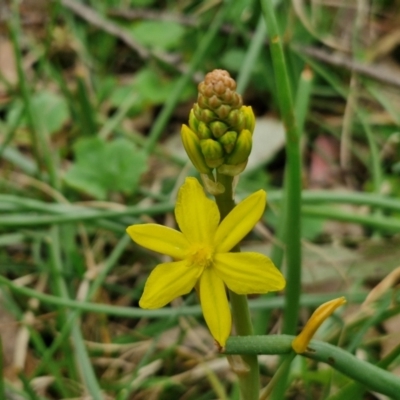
pixel 201 255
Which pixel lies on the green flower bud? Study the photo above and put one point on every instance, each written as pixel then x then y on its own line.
pixel 197 111
pixel 242 148
pixel 203 131
pixel 193 121
pixel 233 118
pixel 214 102
pixel 207 116
pixel 250 119
pixel 223 111
pixel 193 149
pixel 228 140
pixel 212 152
pixel 237 101
pixel 202 101
pixel 218 128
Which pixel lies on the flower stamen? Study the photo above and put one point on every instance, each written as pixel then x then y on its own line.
pixel 201 255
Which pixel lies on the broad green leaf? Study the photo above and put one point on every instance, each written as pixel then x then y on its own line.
pixel 101 167
pixel 50 111
pixel 161 35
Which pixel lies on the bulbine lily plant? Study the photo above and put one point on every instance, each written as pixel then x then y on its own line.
pixel 206 256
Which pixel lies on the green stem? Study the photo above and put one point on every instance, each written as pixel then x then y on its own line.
pixel 255 46
pixel 250 382
pixel 279 374
pixel 355 389
pixel 67 327
pixel 81 354
pixel 377 222
pixel 292 184
pixel 272 303
pixel 370 375
pixel 40 140
pixel 293 181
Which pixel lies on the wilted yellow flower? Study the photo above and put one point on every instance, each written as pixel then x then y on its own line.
pixel 202 257
pixel 324 311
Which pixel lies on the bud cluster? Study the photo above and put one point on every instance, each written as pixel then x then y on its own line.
pixel 220 128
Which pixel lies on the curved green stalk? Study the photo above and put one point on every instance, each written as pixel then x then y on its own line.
pixel 73 213
pixel 81 216
pixel 370 375
pixel 307 300
pixel 76 214
pixel 378 222
pixel 249 382
pixel 355 389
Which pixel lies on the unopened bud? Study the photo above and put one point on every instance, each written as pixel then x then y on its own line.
pixel 193 121
pixel 218 128
pixel 223 111
pixel 197 111
pixel 207 116
pixel 193 149
pixel 214 102
pixel 202 101
pixel 233 117
pixel 242 148
pixel 203 132
pixel 228 141
pixel 213 152
pixel 250 119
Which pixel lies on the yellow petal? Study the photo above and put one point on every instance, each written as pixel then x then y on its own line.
pixel 159 238
pixel 324 311
pixel 239 222
pixel 167 282
pixel 215 306
pixel 197 216
pixel 246 273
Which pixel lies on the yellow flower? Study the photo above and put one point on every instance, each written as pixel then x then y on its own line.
pixel 202 258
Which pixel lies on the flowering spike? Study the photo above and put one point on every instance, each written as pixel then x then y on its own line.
pixel 192 146
pixel 220 118
pixel 325 310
